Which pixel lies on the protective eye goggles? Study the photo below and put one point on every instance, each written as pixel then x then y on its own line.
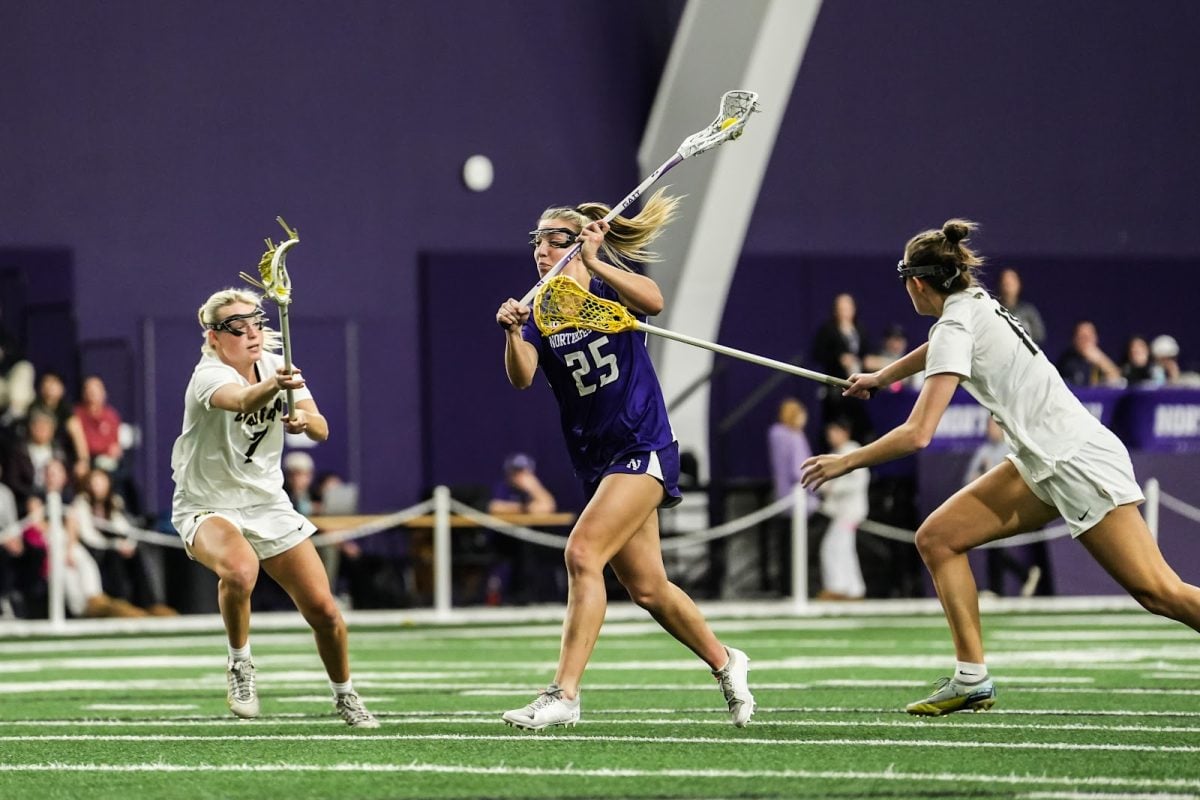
pixel 240 324
pixel 937 272
pixel 558 238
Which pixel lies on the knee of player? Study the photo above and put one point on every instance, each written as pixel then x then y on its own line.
pixel 1167 598
pixel 581 557
pixel 646 594
pixel 323 614
pixel 239 574
pixel 932 540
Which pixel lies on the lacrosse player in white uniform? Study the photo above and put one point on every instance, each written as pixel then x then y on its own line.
pixel 1063 461
pixel 229 504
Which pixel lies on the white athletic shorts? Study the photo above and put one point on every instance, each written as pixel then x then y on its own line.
pixel 270 528
pixel 1089 484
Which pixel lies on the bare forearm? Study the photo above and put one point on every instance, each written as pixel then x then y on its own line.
pixel 901 441
pixel 520 360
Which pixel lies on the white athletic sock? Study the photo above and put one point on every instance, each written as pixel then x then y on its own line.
pixel 966 672
pixel 342 688
pixel 239 653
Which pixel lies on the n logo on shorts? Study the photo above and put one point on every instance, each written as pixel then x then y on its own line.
pixel 634 463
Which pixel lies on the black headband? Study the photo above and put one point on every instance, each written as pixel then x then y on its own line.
pixel 946 273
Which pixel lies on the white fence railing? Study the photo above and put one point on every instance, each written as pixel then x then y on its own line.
pixel 442 506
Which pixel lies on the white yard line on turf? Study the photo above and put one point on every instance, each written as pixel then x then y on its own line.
pixel 1071 781
pixel 763 720
pixel 575 738
pixel 140 707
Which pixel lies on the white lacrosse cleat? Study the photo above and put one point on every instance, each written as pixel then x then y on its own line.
pixel 732 678
pixel 549 709
pixel 353 712
pixel 242 696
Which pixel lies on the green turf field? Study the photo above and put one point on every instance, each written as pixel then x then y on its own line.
pixel 1090 706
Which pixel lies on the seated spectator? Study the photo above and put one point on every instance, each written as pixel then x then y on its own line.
pixel 520 492
pixel 895 346
pixel 127 572
pixel 51 399
pixel 26 463
pixel 83 589
pixel 1084 363
pixel 1164 351
pixel 11 549
pixel 298 472
pixel 1136 368
pixel 101 424
pixel 1009 294
pixel 16 379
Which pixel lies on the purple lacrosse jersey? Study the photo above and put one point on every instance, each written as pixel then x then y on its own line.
pixel 608 394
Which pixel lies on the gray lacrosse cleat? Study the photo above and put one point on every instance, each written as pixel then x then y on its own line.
pixel 549 709
pixel 949 696
pixel 242 696
pixel 350 708
pixel 733 680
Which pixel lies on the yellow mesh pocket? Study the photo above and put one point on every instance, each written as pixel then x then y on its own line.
pixel 563 303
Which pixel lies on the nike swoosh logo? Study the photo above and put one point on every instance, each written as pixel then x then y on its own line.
pixel 1081 516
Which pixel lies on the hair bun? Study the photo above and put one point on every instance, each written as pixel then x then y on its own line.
pixel 956 230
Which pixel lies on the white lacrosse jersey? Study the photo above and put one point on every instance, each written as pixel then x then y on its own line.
pixel 224 459
pixel 1011 377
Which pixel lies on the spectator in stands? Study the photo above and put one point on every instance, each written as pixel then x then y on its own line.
pixel 787 448
pixel 1036 578
pixel 1084 363
pixel 844 502
pixel 83 589
pixel 1165 353
pixel 128 573
pixel 1009 288
pixel 52 400
pixel 1065 463
pixel 27 461
pixel 1136 369
pixel 101 425
pixel 520 491
pixel 298 473
pixel 839 347
pixel 11 549
pixel 16 379
pixel 895 346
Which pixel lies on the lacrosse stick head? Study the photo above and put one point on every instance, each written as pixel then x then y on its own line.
pixel 562 303
pixel 736 107
pixel 273 278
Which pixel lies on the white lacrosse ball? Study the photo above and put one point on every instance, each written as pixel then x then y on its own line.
pixel 477 173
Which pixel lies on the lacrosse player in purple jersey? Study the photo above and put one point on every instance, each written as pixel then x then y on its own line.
pixel 1063 461
pixel 621 445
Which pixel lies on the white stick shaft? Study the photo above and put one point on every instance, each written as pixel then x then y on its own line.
pixel 762 361
pixel 286 332
pixel 617 209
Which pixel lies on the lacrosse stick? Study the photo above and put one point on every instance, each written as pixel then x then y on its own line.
pixel 736 108
pixel 563 303
pixel 276 284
